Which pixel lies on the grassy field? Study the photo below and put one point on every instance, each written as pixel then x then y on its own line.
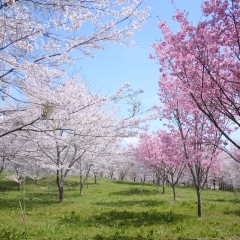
pixel 114 210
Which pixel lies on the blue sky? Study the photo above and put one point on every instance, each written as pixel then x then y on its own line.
pixel 116 65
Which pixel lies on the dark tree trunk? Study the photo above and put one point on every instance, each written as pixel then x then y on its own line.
pixel 174 193
pixel 60 187
pixel 144 178
pixel 81 186
pixel 61 192
pixel 134 177
pixel 199 204
pixel 158 182
pixel 163 187
pixel 1 170
pixel 19 185
pixel 83 180
pixel 95 179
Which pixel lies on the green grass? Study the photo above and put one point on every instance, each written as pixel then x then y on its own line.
pixel 115 210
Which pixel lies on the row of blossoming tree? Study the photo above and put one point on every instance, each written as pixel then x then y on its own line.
pixel 53 122
pixel 50 120
pixel 199 94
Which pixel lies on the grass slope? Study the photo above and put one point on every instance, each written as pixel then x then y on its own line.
pixel 114 210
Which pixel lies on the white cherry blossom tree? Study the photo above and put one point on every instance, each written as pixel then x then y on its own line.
pixel 39 39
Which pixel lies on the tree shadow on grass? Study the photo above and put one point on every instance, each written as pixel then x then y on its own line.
pixel 125 218
pixel 8 186
pixel 233 212
pixel 120 203
pixel 133 183
pixel 135 191
pixel 235 201
pixel 36 200
pixel 114 218
pixel 117 237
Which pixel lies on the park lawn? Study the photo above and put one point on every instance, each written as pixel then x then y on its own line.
pixel 114 210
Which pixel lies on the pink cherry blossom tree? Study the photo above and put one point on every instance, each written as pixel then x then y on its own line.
pixel 204 60
pixel 200 138
pixel 162 152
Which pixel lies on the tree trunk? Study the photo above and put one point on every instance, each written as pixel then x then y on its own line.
pixel 81 189
pixel 174 193
pixel 37 181
pixel 83 180
pixel 158 182
pixel 163 187
pixel 61 192
pixel 87 183
pixel 95 179
pixel 81 185
pixel 199 203
pixel 144 178
pixel 20 181
pixel 20 185
pixel 60 187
